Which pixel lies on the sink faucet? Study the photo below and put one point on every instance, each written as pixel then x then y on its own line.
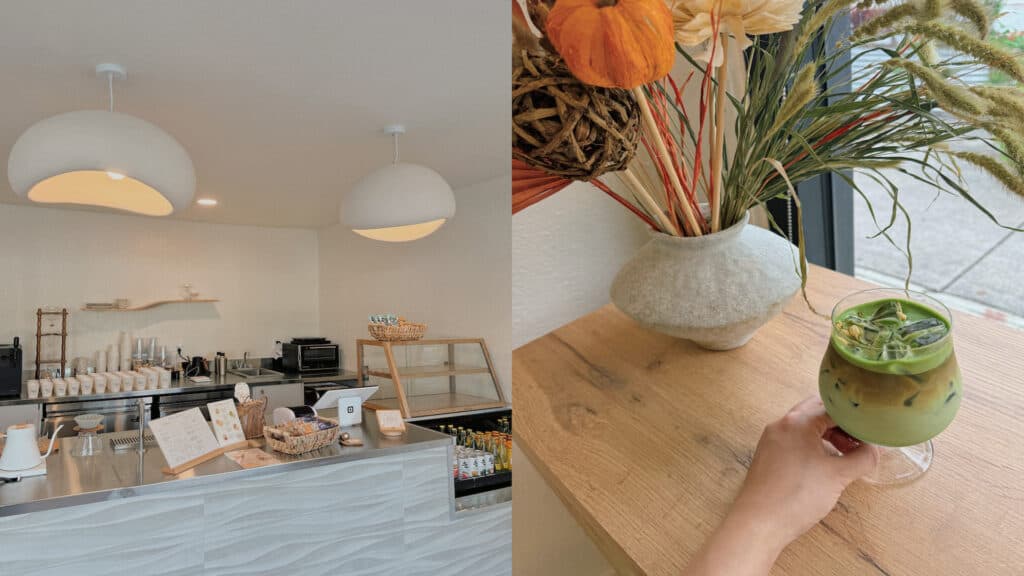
pixel 244 362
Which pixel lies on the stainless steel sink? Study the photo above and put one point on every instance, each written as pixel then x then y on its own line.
pixel 255 373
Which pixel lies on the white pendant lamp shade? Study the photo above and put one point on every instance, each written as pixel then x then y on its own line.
pixel 102 158
pixel 398 203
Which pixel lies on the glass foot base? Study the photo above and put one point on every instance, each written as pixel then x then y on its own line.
pixel 901 465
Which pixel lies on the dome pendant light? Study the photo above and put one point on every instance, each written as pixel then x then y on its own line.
pixel 398 203
pixel 102 158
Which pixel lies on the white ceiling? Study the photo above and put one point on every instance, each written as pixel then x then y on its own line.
pixel 279 103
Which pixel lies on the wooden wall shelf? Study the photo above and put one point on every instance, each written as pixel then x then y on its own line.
pixel 153 305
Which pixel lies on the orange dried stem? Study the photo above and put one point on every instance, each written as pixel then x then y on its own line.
pixel 689 221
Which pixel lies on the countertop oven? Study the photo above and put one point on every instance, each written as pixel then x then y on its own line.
pixel 310 355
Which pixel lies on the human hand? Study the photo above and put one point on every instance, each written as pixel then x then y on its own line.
pixel 793 482
pixel 795 479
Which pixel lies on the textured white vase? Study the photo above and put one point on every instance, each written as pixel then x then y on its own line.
pixel 715 290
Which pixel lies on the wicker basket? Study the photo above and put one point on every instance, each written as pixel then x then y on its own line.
pixel 398 333
pixel 251 414
pixel 284 442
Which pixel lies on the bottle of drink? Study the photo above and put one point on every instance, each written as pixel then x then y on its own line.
pixel 489 461
pixel 499 462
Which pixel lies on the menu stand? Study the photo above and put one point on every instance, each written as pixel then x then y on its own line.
pixel 210 456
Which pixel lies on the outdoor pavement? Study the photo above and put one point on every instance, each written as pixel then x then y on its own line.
pixel 959 254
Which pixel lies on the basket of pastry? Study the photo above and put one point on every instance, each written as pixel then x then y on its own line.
pixel 391 328
pixel 302 434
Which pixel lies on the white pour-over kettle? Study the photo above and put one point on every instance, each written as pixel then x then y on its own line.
pixel 21 450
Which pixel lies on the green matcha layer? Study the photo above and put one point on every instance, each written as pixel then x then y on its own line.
pixel 892 336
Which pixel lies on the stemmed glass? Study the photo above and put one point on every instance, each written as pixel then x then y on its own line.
pixel 890 377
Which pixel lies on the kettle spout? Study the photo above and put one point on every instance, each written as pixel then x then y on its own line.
pixel 52 440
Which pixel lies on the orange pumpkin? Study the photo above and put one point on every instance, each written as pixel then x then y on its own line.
pixel 613 43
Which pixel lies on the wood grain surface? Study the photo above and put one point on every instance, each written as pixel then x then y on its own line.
pixel 647 439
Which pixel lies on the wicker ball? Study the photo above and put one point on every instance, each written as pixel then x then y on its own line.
pixel 568 128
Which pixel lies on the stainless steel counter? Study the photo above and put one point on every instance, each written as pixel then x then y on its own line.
pixel 72 480
pixel 216 383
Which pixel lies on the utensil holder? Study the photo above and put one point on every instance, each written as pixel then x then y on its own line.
pixel 251 415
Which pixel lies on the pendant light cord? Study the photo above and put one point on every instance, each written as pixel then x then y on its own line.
pixel 110 89
pixel 395 137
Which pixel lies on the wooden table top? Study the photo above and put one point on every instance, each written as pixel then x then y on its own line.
pixel 646 439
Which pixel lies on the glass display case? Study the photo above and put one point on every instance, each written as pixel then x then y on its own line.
pixel 429 377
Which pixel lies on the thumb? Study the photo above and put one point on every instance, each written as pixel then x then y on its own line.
pixel 858 462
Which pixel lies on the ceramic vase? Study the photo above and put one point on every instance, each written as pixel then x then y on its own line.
pixel 715 290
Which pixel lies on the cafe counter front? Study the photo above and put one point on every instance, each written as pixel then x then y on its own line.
pixel 386 507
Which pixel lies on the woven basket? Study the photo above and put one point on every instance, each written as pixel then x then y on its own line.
pixel 399 333
pixel 568 128
pixel 251 414
pixel 283 442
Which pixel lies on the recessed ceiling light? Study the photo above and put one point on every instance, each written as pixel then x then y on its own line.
pixel 206 202
pixel 115 175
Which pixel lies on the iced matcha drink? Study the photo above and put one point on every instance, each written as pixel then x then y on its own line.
pixel 889 376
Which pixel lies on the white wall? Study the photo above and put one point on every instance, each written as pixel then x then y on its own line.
pixel 456 280
pixel 565 252
pixel 265 278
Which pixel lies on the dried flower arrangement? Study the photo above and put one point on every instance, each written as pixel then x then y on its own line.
pixel 790 124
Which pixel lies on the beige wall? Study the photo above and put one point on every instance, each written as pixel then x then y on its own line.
pixel 565 252
pixel 266 279
pixel 456 280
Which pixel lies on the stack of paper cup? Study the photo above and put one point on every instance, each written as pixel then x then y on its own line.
pixel 114 382
pixel 125 352
pixel 152 378
pixel 165 378
pixel 112 359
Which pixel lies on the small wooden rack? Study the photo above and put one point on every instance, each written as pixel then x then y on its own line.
pixel 413 406
pixel 63 313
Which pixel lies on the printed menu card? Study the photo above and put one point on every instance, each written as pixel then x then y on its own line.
pixel 225 420
pixel 183 436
